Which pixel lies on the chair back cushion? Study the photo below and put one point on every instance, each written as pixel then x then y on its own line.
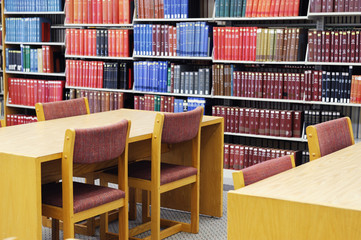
pixel 266 169
pixel 333 135
pixel 100 144
pixel 62 109
pixel 180 127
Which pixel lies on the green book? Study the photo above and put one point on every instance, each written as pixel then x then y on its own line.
pixel 239 8
pixel 244 8
pixel 226 8
pixel 169 80
pixel 232 8
pixel 217 8
pixel 27 56
pixel 222 8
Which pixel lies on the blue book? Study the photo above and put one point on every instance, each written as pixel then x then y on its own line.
pixel 7 59
pixel 142 39
pixel 184 39
pixel 192 39
pixel 173 13
pixel 165 76
pixel 197 27
pixel 36 60
pixel 166 9
pixel 203 39
pixel 232 80
pixel 217 8
pixel 150 39
pixel 244 8
pixel 136 39
pixel 178 39
pixel 151 74
pixel 205 42
pixel 184 9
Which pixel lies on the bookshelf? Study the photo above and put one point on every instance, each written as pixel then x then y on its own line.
pixel 306 19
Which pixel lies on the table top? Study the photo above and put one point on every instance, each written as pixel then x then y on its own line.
pixel 44 140
pixel 333 180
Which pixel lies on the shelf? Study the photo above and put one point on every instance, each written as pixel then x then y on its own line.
pixel 266 137
pixel 333 63
pixel 101 89
pixel 173 19
pixel 255 62
pixel 98 57
pixel 260 18
pixel 173 94
pixel 174 57
pixel 34 13
pixel 98 25
pixel 37 43
pixel 19 106
pixel 334 14
pixel 37 73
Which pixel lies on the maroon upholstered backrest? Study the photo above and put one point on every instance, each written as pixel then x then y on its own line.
pixel 333 135
pixel 180 127
pixel 100 143
pixel 64 109
pixel 266 169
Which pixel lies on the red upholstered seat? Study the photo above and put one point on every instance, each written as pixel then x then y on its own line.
pixel 266 169
pixel 333 135
pixel 86 196
pixel 62 109
pixel 168 172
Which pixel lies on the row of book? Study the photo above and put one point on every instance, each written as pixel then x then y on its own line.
pixel 238 157
pixel 46 59
pixel 335 6
pixel 100 101
pixel 257 8
pixel 334 46
pixel 355 95
pixel 184 39
pixel 97 74
pixel 34 5
pixel 259 44
pixel 312 117
pixel 18 119
pixel 167 104
pixel 89 42
pixel 162 9
pixel 28 92
pixel 98 12
pixel 268 122
pixel 27 29
pixel 171 78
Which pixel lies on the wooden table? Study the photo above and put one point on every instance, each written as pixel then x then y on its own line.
pixel 318 200
pixel 27 154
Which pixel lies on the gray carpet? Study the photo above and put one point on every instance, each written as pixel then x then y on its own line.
pixel 210 228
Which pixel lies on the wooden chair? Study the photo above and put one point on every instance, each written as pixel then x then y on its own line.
pixel 157 177
pixel 2 123
pixel 328 137
pixel 262 170
pixel 73 202
pixel 62 109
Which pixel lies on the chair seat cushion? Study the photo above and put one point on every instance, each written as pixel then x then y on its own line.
pixel 169 172
pixel 86 196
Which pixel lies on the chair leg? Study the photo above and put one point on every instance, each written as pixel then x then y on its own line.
pixel 145 206
pixel 54 229
pixel 90 224
pixel 123 223
pixel 103 226
pixel 195 207
pixel 155 214
pixel 68 228
pixel 132 204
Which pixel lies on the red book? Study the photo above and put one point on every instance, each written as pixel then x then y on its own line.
pixel 246 157
pixel 336 47
pixel 44 59
pixel 262 121
pixel 215 43
pixel 246 120
pixel 315 81
pixel 236 157
pixel 310 46
pixel 256 120
pixel 99 12
pixel 267 122
pixel 249 8
pixel 332 43
pixel 85 11
pixel 105 12
pixel 81 41
pixel 353 46
pixel 110 11
pixel 283 123
pixel 255 156
pixel 242 120
pixel 226 156
pixel 232 119
pixel 224 115
pixel 297 124
pixel 343 46
pixel 228 119
pixel 327 46
pixel 357 44
pixel 288 124
pixel 94 12
pixel 231 156
pixel 126 11
pixel 276 122
pixel 252 129
pixel 100 74
pixel 241 44
pixel 69 10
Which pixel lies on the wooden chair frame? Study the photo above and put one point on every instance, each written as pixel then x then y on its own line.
pixel 313 143
pixel 155 189
pixel 238 179
pixel 67 215
pixel 40 110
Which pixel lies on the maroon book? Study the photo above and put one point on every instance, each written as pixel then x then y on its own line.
pixel 285 86
pixel 241 157
pixel 236 120
pixel 214 113
pixel 272 85
pixel 280 86
pixel 261 127
pixel 219 111
pixel 344 47
pixel 277 123
pixel 226 156
pixel 329 6
pixel 267 122
pixel 252 91
pixel 269 84
pixel 231 156
pixel 319 86
pixel 166 40
pixel 357 44
pixel 268 154
pixel 309 85
pixel 255 156
pixel 246 157
pixel 348 47
pixel 293 86
pixel 318 5
pixel 297 124
pixel 272 123
pixel 347 5
pixel 228 119
pixel 327 46
pixel 263 155
pixel 319 46
pixel 341 5
pixel 276 86
pixel 256 121
pixel 250 85
pixel 264 92
pixel 236 157
pixel 278 153
pixel 273 153
pixel 315 86
pixel 251 122
pixel 259 84
pixel 336 47
pixel 224 115
pixel 323 43
pixel 332 43
pixel 242 120
pixel 231 122
pixel 289 86
pixel 283 123
pixel 310 46
pixel 352 46
pixel 246 120
pixel 288 124
pixel 250 156
pixel 162 42
pixel 158 40
pixel 298 86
